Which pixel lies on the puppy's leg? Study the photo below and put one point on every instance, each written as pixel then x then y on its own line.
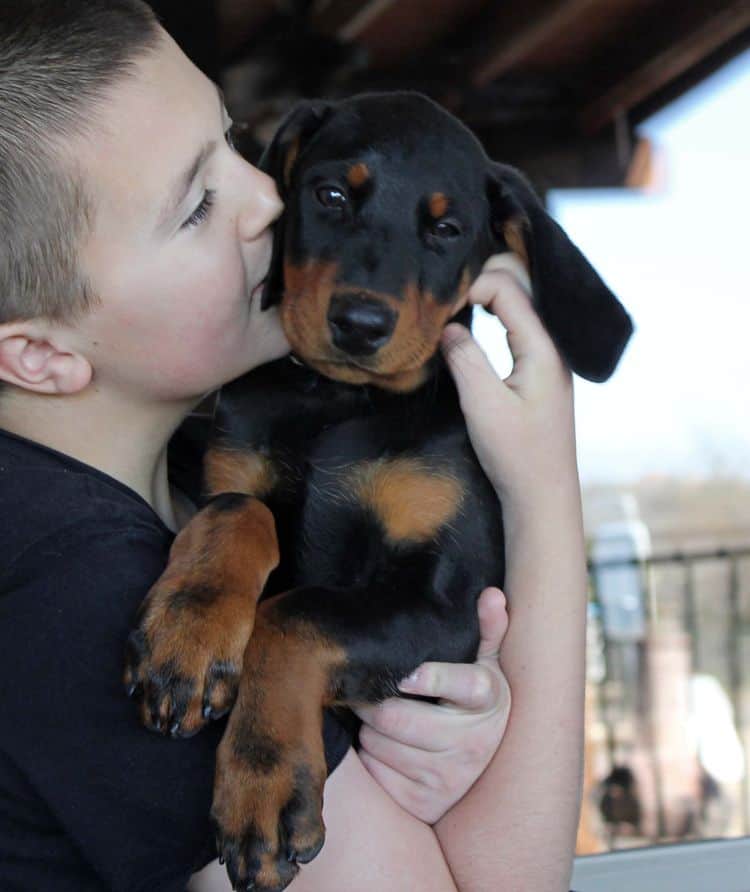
pixel 309 649
pixel 185 656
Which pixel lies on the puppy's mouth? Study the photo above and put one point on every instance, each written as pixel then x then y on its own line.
pixel 336 362
pixel 350 371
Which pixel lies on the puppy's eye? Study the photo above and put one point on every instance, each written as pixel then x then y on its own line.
pixel 331 197
pixel 445 229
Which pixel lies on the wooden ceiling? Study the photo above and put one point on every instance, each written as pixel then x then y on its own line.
pixel 556 86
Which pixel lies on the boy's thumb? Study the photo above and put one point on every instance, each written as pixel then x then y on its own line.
pixel 468 364
pixel 493 622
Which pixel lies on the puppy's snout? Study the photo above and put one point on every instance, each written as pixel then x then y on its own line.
pixel 359 324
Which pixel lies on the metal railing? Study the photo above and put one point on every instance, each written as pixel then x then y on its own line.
pixel 706 595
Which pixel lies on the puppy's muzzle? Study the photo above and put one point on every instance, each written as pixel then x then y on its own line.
pixel 359 324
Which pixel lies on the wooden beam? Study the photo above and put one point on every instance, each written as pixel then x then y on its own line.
pixel 565 160
pixel 331 16
pixel 518 33
pixel 393 32
pixel 354 28
pixel 685 50
pixel 238 20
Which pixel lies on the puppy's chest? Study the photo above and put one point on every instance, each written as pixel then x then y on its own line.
pixel 392 467
pixel 360 481
pixel 360 506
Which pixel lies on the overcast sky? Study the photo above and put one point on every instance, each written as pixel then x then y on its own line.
pixel 679 259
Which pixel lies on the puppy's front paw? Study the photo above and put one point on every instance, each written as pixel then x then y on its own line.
pixel 183 669
pixel 184 658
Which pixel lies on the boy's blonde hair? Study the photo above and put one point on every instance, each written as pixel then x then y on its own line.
pixel 57 59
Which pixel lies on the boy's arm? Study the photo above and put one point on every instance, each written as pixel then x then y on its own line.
pixel 519 820
pixel 515 829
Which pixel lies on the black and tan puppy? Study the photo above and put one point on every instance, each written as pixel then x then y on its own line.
pixel 351 460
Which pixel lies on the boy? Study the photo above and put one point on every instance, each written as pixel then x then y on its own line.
pixel 133 248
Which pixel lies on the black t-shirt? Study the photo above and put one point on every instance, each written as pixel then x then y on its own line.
pixel 89 800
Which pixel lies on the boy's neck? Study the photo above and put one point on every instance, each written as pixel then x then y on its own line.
pixel 127 442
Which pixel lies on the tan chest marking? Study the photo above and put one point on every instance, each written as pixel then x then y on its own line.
pixel 412 501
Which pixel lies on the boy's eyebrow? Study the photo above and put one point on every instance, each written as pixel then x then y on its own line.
pixel 182 185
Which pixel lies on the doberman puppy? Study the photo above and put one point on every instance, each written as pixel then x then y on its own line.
pixel 349 459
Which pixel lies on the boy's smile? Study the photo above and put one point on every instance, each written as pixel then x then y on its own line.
pixel 179 239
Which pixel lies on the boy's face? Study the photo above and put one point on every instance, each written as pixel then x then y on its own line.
pixel 180 239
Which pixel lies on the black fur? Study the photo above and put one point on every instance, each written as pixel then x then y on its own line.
pixel 393 607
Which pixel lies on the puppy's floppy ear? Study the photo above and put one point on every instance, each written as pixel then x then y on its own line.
pixel 279 160
pixel 294 132
pixel 586 321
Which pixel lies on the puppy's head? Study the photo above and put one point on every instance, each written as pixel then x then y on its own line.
pixel 392 207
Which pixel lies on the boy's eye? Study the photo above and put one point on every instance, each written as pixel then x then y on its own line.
pixel 201 212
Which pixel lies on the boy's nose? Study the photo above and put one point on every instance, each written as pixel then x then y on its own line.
pixel 262 205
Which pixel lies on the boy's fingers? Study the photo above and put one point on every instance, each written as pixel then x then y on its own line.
pixel 408 760
pixel 512 264
pixel 410 722
pixel 493 623
pixel 471 369
pixel 402 789
pixel 466 686
pixel 500 290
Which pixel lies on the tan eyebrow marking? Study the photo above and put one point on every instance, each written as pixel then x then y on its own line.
pixel 357 175
pixel 438 205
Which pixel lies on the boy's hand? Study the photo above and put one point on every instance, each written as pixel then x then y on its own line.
pixel 427 756
pixel 521 428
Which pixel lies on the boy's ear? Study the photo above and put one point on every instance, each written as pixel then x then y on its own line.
pixel 588 324
pixel 33 363
pixel 279 160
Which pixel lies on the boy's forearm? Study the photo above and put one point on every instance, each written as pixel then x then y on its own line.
pixel 515 829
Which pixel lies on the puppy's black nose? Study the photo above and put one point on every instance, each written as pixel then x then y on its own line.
pixel 360 325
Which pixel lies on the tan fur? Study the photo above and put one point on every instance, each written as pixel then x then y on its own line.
pixel 513 235
pixel 202 608
pixel 412 501
pixel 289 161
pixel 438 205
pixel 398 365
pixel 285 684
pixel 358 175
pixel 229 469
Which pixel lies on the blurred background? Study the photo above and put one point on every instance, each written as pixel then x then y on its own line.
pixel 632 118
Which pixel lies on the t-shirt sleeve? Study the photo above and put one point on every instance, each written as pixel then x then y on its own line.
pixel 135 804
